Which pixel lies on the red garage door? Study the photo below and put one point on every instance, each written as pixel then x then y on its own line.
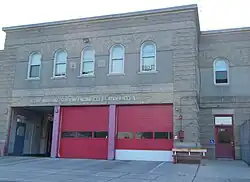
pixel 144 132
pixel 84 132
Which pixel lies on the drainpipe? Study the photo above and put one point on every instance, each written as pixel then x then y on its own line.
pixel 181 131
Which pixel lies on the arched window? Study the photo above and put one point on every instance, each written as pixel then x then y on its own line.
pixel 87 61
pixel 34 65
pixel 60 63
pixel 116 63
pixel 221 71
pixel 148 57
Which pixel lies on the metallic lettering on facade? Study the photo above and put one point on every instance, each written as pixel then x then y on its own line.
pixel 81 99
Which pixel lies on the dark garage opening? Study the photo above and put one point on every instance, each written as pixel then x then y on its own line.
pixel 31 131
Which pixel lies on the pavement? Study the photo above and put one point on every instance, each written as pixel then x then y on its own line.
pixel 28 169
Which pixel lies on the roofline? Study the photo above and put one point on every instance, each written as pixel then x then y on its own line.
pixel 229 30
pixel 104 17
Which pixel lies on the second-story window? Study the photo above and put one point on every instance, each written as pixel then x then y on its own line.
pixel 34 65
pixel 148 57
pixel 60 63
pixel 116 63
pixel 88 62
pixel 221 71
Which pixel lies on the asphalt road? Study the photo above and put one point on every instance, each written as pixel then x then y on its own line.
pixel 27 169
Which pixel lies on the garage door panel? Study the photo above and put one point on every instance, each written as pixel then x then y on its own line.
pixel 84 132
pixel 147 129
pixel 84 148
pixel 85 118
pixel 133 117
pixel 144 144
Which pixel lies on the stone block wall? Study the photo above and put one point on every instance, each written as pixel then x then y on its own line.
pixel 185 87
pixel 7 73
pixel 174 31
pixel 212 106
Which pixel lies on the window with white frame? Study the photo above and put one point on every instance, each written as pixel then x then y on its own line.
pixel 221 71
pixel 88 61
pixel 148 57
pixel 34 65
pixel 60 63
pixel 116 64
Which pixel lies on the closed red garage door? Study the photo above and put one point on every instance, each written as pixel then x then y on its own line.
pixel 145 132
pixel 84 132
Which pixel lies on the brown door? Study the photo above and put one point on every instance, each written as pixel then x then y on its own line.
pixel 224 142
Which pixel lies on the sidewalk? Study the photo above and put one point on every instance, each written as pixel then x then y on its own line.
pixel 31 169
pixel 223 171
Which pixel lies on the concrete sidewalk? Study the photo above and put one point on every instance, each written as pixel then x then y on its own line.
pixel 26 169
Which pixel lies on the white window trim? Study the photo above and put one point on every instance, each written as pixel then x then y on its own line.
pixel 81 65
pixel 54 66
pixel 110 60
pixel 29 66
pixel 214 71
pixel 141 55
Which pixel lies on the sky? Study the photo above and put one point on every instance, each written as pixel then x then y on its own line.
pixel 213 14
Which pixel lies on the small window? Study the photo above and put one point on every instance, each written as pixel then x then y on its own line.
pixel 68 134
pixel 224 136
pixel 125 135
pixel 148 57
pixel 221 71
pixel 101 134
pixel 163 135
pixel 116 64
pixel 60 63
pixel 34 65
pixel 88 61
pixel 84 134
pixel 144 135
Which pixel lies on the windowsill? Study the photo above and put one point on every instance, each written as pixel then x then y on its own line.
pixel 116 74
pixel 58 77
pixel 86 76
pixel 221 84
pixel 147 72
pixel 30 79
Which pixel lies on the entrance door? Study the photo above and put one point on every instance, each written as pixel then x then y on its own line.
pixel 224 142
pixel 19 139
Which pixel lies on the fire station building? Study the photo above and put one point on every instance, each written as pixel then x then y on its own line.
pixel 126 86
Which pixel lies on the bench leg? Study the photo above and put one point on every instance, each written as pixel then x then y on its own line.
pixel 175 159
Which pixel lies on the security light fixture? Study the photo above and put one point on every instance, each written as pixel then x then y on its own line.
pixel 85 40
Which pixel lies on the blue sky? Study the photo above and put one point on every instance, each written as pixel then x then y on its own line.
pixel 214 14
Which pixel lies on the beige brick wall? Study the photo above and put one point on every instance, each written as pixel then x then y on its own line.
pixel 211 107
pixel 175 31
pixel 185 88
pixel 7 71
pixel 234 46
pixel 122 94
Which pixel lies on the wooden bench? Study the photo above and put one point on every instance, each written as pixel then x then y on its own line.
pixel 188 154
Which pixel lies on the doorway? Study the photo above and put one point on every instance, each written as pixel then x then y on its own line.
pixel 19 138
pixel 31 131
pixel 224 137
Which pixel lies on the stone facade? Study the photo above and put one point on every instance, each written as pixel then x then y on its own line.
pixel 231 99
pixel 184 74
